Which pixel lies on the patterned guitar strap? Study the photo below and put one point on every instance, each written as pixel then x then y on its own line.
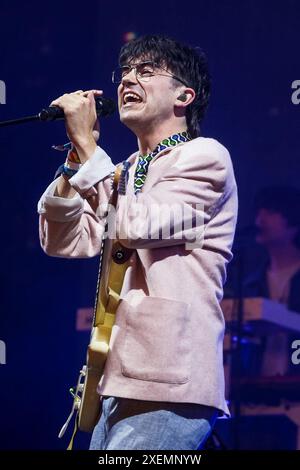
pixel 145 160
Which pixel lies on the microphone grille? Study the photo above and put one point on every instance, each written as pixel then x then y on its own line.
pixel 105 106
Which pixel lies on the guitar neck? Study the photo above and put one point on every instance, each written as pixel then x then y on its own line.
pixel 118 187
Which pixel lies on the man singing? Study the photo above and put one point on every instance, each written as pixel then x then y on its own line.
pixel 163 384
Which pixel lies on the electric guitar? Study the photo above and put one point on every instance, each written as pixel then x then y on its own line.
pixel 114 261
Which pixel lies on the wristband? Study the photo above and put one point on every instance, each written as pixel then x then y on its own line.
pixel 64 171
pixel 69 172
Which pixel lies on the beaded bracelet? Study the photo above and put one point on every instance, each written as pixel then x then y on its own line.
pixel 68 171
pixel 72 164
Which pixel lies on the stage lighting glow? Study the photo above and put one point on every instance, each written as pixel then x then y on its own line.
pixel 129 36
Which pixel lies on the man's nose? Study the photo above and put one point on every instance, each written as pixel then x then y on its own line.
pixel 130 77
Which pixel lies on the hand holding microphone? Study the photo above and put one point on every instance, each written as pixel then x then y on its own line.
pixel 79 110
pixel 103 107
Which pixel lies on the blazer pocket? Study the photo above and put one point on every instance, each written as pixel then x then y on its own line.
pixel 157 342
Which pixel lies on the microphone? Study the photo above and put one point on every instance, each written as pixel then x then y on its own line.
pixel 104 107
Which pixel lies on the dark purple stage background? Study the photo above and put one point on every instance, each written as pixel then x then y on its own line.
pixel 49 48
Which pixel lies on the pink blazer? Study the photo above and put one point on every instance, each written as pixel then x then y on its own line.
pixel 167 341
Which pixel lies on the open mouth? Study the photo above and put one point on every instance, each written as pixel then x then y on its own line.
pixel 130 97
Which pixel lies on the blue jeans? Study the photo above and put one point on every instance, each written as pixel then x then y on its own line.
pixel 127 424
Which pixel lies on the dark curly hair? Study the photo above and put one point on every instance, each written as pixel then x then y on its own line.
pixel 184 61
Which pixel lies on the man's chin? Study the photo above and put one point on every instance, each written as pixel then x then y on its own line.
pixel 131 119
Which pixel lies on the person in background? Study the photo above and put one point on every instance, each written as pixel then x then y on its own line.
pixel 278 231
pixel 277 219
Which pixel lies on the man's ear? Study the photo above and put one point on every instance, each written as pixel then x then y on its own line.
pixel 185 97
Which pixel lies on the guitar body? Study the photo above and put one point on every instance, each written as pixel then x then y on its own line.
pixel 107 304
pixel 114 261
pixel 90 407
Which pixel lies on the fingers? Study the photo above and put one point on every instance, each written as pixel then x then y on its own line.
pixel 91 94
pixel 85 93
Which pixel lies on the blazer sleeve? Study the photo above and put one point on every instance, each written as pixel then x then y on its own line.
pixel 70 228
pixel 176 209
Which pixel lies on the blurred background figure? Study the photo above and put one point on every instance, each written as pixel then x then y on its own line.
pixel 263 384
pixel 277 219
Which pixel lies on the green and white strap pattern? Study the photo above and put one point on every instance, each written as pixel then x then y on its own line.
pixel 144 160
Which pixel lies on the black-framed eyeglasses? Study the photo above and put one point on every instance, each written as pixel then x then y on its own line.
pixel 143 72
